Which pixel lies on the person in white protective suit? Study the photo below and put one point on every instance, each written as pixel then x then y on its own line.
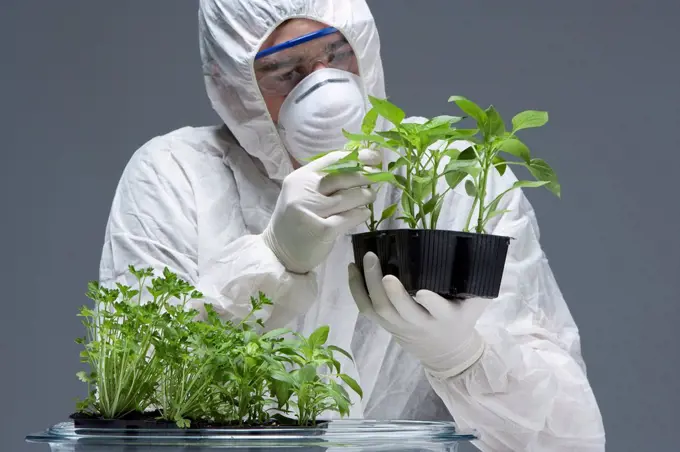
pixel 236 209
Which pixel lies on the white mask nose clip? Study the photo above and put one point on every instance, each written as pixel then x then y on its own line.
pixel 320 84
pixel 314 114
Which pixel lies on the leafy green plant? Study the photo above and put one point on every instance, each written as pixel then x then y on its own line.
pixel 424 155
pixel 312 388
pixel 186 352
pixel 244 375
pixel 120 334
pixel 159 355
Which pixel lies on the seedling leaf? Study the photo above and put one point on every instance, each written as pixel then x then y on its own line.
pixel 319 337
pixel 360 137
pixel 352 384
pixel 388 110
pixel 388 212
pixel 500 164
pixel 341 351
pixel 495 125
pixel 383 176
pixel 470 108
pixel 529 184
pixel 443 121
pixel 514 146
pixel 369 122
pixel 528 119
pixel 540 169
pixel 470 188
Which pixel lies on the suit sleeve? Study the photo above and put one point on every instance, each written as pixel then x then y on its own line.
pixel 153 222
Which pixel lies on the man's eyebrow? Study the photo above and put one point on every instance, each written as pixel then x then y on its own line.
pixel 341 41
pixel 274 65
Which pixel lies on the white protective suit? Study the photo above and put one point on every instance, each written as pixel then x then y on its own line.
pixel 196 200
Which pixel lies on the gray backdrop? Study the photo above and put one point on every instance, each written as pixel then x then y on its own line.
pixel 84 83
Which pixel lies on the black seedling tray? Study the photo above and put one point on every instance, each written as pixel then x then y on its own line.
pixel 453 264
pixel 149 421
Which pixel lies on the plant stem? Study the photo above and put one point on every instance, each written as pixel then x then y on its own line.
pixel 371 225
pixel 409 187
pixel 420 168
pixel 435 179
pixel 246 318
pixel 469 218
pixel 481 193
pixel 486 161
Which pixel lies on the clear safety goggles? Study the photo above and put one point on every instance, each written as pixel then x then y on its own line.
pixel 281 67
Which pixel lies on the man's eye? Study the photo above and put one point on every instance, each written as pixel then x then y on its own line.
pixel 341 54
pixel 287 75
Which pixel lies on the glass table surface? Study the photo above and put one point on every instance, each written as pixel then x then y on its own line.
pixel 362 435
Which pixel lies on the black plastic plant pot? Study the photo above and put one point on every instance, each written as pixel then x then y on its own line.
pixel 453 264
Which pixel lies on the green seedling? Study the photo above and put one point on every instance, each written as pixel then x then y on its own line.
pixel 313 387
pixel 118 345
pixel 427 164
pixel 156 353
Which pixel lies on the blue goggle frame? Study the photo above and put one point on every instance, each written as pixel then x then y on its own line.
pixel 297 41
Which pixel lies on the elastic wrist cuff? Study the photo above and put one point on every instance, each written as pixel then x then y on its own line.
pixel 465 357
pixel 270 240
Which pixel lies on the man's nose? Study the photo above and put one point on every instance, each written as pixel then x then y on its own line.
pixel 318 65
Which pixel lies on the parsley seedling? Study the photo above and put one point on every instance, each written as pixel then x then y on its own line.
pixel 157 354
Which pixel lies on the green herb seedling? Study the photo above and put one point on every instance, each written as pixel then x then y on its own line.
pixel 121 330
pixel 424 155
pixel 227 372
pixel 313 387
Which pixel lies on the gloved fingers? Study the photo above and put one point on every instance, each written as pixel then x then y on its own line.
pixel 403 302
pixel 374 282
pixel 344 222
pixel 370 157
pixel 358 291
pixel 466 310
pixel 328 159
pixel 439 307
pixel 331 183
pixel 345 200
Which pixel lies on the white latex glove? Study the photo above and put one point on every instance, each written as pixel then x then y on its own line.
pixel 438 332
pixel 314 208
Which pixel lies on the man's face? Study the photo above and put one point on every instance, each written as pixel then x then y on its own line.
pixel 279 72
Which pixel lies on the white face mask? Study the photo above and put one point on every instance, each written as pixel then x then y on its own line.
pixel 313 115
